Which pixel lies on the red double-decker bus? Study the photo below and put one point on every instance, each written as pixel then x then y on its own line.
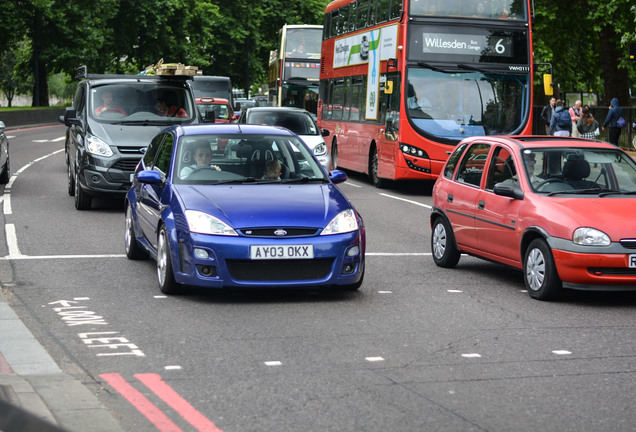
pixel 402 82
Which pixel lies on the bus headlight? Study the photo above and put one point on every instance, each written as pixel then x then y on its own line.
pixel 413 151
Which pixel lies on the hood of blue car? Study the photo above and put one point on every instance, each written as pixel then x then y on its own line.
pixel 263 205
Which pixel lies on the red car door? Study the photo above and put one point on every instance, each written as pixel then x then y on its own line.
pixel 496 216
pixel 462 193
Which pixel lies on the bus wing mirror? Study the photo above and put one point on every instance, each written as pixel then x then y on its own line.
pixel 547 85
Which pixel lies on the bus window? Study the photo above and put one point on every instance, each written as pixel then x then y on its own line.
pixel 491 9
pixel 383 11
pixel 457 105
pixel 363 13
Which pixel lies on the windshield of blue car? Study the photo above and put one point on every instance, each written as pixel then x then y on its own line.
pixel 299 123
pixel 244 158
pixel 141 102
pixel 582 171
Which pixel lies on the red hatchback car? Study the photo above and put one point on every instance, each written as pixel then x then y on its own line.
pixel 561 209
pixel 223 112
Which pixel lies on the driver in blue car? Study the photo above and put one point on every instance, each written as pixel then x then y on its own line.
pixel 202 155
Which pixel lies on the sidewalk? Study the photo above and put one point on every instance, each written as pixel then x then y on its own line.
pixel 31 381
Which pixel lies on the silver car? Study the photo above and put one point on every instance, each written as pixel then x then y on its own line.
pixel 297 120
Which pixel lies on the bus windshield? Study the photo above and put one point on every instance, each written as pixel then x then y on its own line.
pixel 486 9
pixel 458 105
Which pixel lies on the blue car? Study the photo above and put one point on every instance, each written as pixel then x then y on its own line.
pixel 231 205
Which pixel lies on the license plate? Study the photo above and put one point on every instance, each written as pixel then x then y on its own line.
pixel 632 261
pixel 281 252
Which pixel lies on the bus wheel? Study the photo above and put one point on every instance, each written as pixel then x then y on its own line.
pixel 373 171
pixel 334 155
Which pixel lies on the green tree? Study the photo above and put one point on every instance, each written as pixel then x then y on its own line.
pixel 582 42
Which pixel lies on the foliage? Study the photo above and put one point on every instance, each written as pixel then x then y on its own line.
pixel 585 41
pixel 581 40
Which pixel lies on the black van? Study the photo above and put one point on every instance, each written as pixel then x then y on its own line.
pixel 112 121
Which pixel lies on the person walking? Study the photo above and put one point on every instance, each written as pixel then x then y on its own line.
pixel 615 112
pixel 575 115
pixel 587 124
pixel 561 123
pixel 546 113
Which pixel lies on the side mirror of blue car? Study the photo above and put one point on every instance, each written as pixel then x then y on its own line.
pixel 149 177
pixel 338 176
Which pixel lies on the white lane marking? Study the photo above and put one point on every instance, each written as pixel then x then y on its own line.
pixel 561 352
pixel 19 256
pixel 273 363
pixel 385 292
pixel 398 253
pixel 6 205
pixel 12 241
pixel 62 138
pixel 352 184
pixel 471 355
pixel 374 359
pixel 174 367
pixel 406 200
pixel 454 291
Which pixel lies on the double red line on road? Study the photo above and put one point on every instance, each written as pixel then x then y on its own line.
pixel 165 393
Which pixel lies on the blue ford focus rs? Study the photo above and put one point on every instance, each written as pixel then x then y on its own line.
pixel 233 205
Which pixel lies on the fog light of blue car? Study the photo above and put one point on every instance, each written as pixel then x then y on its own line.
pixel 348 269
pixel 353 251
pixel 201 253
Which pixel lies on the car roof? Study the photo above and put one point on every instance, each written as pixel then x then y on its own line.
pixel 278 109
pixel 212 100
pixel 230 128
pixel 542 141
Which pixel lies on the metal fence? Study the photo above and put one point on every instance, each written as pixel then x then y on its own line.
pixel 627 134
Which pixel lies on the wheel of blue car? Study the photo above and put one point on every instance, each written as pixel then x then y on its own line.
pixel 540 274
pixel 165 273
pixel 133 250
pixel 445 252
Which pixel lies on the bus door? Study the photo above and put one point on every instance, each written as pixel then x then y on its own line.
pixel 387 146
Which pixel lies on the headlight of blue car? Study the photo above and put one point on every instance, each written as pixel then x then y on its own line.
pixel 344 222
pixel 203 223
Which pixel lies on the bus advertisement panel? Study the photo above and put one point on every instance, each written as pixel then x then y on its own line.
pixel 294 67
pixel 401 83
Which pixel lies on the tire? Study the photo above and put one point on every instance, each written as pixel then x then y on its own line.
pixel 133 250
pixel 70 179
pixel 445 252
pixel 334 156
pixel 540 274
pixel 373 171
pixel 6 173
pixel 83 200
pixel 165 272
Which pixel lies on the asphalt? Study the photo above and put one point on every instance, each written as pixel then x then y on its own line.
pixel 35 394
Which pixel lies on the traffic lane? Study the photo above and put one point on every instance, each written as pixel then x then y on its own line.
pixel 47 222
pixel 27 144
pixel 419 327
pixel 396 221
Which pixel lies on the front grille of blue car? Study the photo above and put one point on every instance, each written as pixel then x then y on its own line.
pixel 279 232
pixel 280 270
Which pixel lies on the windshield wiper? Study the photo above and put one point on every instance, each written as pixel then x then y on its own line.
pixel 472 68
pixel 307 180
pixel 590 191
pixel 616 192
pixel 431 67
